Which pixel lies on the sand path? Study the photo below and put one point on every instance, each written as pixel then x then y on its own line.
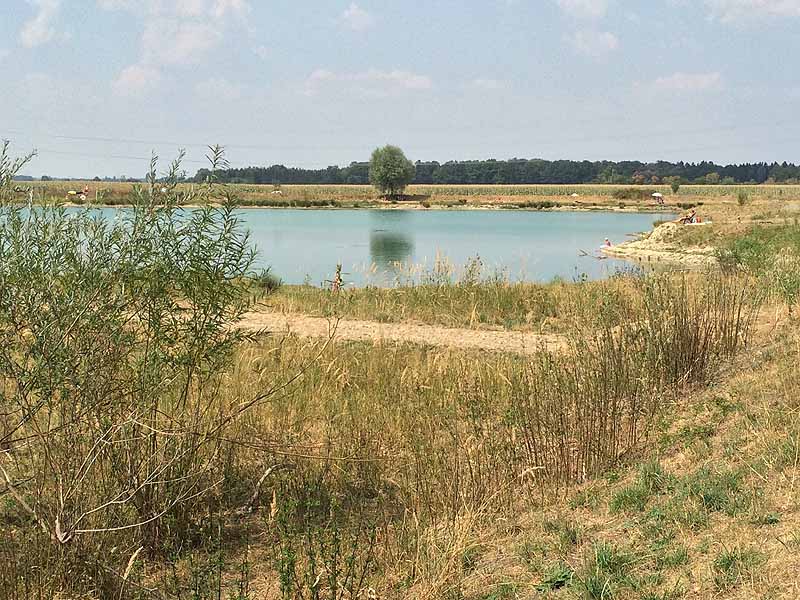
pixel 426 335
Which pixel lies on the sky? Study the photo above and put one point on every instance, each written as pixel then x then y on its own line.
pixel 95 86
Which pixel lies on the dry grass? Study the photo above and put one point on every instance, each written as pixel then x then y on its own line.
pixel 651 459
pixel 446 454
pixel 762 198
pixel 541 308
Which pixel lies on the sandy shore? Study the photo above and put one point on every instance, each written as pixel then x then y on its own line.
pixel 656 248
pixel 504 206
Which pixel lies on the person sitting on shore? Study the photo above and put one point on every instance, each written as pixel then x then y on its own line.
pixel 690 218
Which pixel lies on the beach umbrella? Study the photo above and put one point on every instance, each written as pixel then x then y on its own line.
pixel 658 195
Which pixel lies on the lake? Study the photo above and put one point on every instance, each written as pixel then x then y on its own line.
pixel 383 247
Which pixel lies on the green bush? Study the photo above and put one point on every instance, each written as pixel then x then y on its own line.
pixel 742 198
pixel 267 281
pixel 113 337
pixel 390 171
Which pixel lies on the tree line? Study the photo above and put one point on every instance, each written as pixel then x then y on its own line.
pixel 523 171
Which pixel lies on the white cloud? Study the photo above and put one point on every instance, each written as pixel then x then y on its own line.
pixel 181 8
pixel 584 9
pixel 173 42
pixel 488 84
pixel 219 89
pixel 238 8
pixel 736 10
pixel 356 18
pixel 175 33
pixel 595 44
pixel 136 80
pixel 40 29
pixel 688 82
pixel 262 52
pixel 190 8
pixel 373 82
pixel 115 4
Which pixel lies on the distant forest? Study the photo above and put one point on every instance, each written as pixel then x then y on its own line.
pixel 522 171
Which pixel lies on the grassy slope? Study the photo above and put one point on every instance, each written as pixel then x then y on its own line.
pixel 707 508
pixel 710 511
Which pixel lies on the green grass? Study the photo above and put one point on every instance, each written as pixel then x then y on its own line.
pixel 634 498
pixel 718 491
pixel 735 566
pixel 673 558
pixel 607 569
pixel 558 576
pixel 756 247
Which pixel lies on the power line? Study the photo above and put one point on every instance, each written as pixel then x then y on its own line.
pixel 429 148
pixel 112 156
pixel 79 138
pixel 553 141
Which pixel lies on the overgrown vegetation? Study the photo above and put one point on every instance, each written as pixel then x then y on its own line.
pixel 473 300
pixel 152 450
pixel 770 253
pixel 113 339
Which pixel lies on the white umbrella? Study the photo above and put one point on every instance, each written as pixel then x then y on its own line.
pixel 658 195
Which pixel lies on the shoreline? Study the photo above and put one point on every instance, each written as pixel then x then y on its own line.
pixel 651 248
pixel 399 207
pixel 645 250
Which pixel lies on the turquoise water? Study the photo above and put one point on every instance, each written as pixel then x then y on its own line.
pixel 383 247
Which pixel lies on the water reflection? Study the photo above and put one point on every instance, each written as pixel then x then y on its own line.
pixel 389 247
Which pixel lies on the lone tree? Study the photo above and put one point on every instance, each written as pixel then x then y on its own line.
pixel 390 171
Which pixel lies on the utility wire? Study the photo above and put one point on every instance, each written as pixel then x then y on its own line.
pixel 428 148
pixel 560 140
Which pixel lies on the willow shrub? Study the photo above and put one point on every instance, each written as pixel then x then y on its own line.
pixel 112 333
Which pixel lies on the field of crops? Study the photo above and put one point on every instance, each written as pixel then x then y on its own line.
pixel 710 191
pixel 310 196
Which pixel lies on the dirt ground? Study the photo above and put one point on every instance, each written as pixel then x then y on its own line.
pixel 657 248
pixel 427 335
pixel 667 244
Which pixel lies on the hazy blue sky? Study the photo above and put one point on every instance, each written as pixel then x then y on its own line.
pixel 317 83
